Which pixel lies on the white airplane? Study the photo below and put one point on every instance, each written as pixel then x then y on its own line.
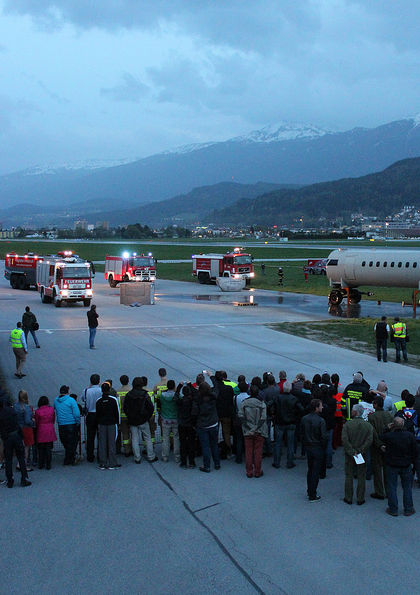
pixel 350 268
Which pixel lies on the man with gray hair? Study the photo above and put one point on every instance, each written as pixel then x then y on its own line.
pixel 357 439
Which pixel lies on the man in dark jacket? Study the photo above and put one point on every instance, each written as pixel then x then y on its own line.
pixel 30 325
pixel 11 435
pixel 224 410
pixel 107 418
pixel 379 420
pixel 186 430
pixel 381 330
pixel 286 411
pixel 353 394
pixel 400 453
pixel 139 408
pixel 315 440
pixel 92 317
pixel 357 439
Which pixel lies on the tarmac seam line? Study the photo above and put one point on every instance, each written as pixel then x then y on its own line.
pixel 206 507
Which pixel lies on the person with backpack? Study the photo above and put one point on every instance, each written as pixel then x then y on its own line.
pixel 139 408
pixel 30 325
pixel 253 414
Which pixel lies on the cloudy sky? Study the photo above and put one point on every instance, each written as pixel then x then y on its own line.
pixel 110 79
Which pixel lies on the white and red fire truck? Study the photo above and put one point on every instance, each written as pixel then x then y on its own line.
pixel 235 264
pixel 20 271
pixel 129 267
pixel 64 278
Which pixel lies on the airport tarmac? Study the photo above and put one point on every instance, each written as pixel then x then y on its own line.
pixel 159 529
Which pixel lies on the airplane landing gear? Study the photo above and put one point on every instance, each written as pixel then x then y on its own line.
pixel 353 296
pixel 335 297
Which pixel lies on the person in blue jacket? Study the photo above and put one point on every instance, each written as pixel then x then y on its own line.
pixel 68 418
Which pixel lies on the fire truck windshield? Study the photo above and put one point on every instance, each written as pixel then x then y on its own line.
pixel 75 272
pixel 145 261
pixel 243 259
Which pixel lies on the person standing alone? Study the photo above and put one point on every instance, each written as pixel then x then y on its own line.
pixel 20 348
pixel 92 317
pixel 30 325
pixel 381 330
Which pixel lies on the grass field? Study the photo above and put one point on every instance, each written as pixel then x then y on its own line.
pixel 293 275
pixel 355 334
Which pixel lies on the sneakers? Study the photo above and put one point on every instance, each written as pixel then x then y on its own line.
pixel 101 467
pixel 152 460
pixel 315 499
pixel 25 483
pixel 377 496
pixel 390 512
pixel 114 467
pixel 347 501
pixel 204 469
pixel 137 462
pixel 191 466
pixel 409 512
pixel 38 346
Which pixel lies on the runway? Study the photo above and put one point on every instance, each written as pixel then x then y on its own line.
pixel 159 529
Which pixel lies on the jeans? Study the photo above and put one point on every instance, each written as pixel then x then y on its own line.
pixel 400 345
pixel 381 345
pixel 92 334
pixel 170 426
pixel 91 431
pixel 68 436
pixel 253 455
pixel 329 453
pixel 14 443
pixel 406 475
pixel 27 331
pixel 239 443
pixel 187 443
pixel 315 456
pixel 268 447
pixel 279 432
pixel 208 440
pixel 136 436
pixel 44 454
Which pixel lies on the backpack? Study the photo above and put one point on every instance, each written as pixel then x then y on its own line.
pixel 410 420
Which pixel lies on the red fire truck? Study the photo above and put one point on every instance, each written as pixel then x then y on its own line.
pixel 21 270
pixel 236 264
pixel 64 278
pixel 129 267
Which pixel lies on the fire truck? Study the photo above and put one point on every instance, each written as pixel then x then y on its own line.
pixel 20 271
pixel 235 264
pixel 129 267
pixel 64 277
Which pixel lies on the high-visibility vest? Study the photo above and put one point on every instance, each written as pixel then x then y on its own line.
pixel 15 336
pixel 120 400
pixel 400 330
pixel 234 386
pixel 399 405
pixel 346 402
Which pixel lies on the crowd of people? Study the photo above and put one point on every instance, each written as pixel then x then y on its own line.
pixel 218 419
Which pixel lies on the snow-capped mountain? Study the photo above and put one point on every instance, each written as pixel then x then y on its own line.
pixel 89 164
pixel 283 153
pixel 282 131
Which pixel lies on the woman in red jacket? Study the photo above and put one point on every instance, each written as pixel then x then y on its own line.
pixel 45 432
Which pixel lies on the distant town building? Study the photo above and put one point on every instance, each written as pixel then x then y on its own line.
pixel 80 224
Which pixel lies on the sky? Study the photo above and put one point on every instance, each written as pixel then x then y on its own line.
pixel 123 79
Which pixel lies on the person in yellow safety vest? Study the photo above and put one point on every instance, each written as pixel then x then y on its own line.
pixel 124 430
pixel 20 348
pixel 399 337
pixel 399 405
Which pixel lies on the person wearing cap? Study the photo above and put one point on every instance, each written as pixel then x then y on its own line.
pixel 107 418
pixel 353 394
pixel 68 419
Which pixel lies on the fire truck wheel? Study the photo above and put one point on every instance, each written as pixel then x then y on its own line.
pixel 14 281
pixel 111 281
pixel 126 279
pixel 203 278
pixel 57 302
pixel 22 282
pixel 87 302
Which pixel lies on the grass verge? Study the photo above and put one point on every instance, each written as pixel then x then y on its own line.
pixel 356 335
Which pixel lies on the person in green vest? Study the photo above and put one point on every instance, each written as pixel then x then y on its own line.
pixel 20 348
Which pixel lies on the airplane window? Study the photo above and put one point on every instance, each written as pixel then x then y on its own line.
pixel 414 265
pixel 407 264
pixel 377 263
pixel 371 263
pixel 385 264
pixel 392 265
pixel 399 265
pixel 364 263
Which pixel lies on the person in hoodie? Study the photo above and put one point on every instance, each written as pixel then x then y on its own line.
pixel 139 408
pixel 68 418
pixel 287 410
pixel 253 414
pixel 206 421
pixel 268 395
pixel 108 419
pixel 45 432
